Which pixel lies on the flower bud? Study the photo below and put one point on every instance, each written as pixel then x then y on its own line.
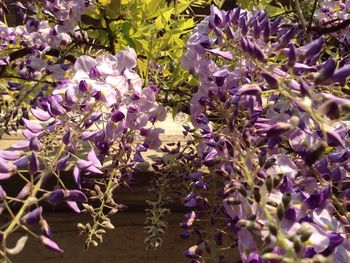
pixel 62 163
pixel 33 217
pixel 292 56
pixel 34 144
pixel 267 32
pixel 50 244
pixel 218 238
pixel 269 184
pixel 280 212
pixel 40 114
pixel 286 38
pixel 34 163
pixel 341 74
pixel 76 196
pixel 235 16
pixel 56 197
pixel 7 167
pixel 297 244
pixel 275 24
pixel 193 252
pixel 67 137
pixel 286 199
pixel 243 25
pixel 326 72
pixel 33 127
pixel 273 229
pixel 45 228
pixel 256 193
pixel 312 48
pixel 55 106
pixel 271 80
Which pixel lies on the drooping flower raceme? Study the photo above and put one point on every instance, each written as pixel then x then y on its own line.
pixel 96 123
pixel 271 170
pixel 30 62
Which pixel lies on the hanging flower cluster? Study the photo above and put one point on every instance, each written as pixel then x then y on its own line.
pixel 31 52
pixel 102 110
pixel 269 161
pixel 66 12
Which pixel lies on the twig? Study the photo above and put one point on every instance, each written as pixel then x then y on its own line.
pixel 332 29
pixel 302 20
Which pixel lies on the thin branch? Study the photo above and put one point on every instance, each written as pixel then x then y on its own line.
pixel 332 29
pixel 302 20
pixel 27 79
pixel 312 14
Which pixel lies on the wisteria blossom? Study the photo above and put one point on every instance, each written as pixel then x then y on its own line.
pixel 103 108
pixel 273 136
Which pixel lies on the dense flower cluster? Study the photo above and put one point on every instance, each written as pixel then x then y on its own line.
pixel 66 12
pixel 265 168
pixel 272 150
pixel 32 52
pixel 102 110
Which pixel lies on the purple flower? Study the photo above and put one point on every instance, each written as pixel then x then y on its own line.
pixel 33 217
pixel 7 167
pixel 67 137
pixel 50 244
pixel 334 139
pixel 40 114
pixel 45 228
pixel 190 217
pixel 117 116
pixel 11 155
pixel 341 74
pixel 335 240
pixel 193 252
pixel 76 196
pixel 326 72
pixel 33 127
pixel 292 56
pixel 271 80
pixel 62 163
pixel 34 144
pixel 287 37
pixel 216 16
pixel 56 197
pixel 317 200
pixel 312 48
pixel 254 258
pixel 55 106
pixel 83 86
pixel 34 163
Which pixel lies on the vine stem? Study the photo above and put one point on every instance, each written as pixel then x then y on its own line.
pixel 302 19
pixel 29 200
pixel 212 243
pixel 312 14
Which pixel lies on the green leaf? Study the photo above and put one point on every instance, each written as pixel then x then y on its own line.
pixel 113 8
